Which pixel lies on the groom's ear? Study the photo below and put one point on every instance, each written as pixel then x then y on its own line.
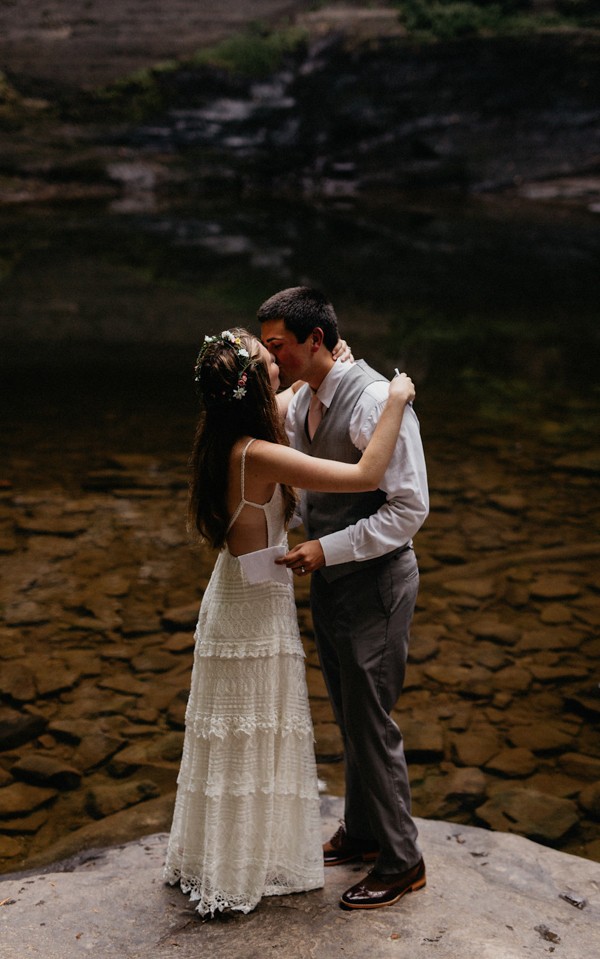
pixel 316 339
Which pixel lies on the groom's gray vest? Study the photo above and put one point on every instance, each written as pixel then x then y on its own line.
pixel 324 513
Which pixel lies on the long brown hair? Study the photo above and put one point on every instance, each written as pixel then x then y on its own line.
pixel 224 418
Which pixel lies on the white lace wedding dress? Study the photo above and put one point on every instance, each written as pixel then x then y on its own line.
pixel 246 821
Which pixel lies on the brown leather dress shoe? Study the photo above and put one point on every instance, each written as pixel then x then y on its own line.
pixel 373 891
pixel 342 848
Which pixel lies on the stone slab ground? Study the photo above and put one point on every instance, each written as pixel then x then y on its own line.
pixel 489 896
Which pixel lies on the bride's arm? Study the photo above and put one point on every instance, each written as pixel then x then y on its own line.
pixel 279 464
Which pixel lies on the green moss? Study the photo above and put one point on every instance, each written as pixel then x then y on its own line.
pixel 256 53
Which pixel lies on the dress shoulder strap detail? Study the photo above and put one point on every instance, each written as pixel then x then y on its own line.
pixel 243 469
pixel 242 501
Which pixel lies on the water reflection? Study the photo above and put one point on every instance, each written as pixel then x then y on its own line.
pixel 465 290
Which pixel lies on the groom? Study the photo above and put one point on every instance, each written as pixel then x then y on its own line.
pixel 363 589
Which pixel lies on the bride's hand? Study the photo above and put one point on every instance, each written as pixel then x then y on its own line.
pixel 403 387
pixel 342 351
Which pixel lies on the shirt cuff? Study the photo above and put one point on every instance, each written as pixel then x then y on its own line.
pixel 337 548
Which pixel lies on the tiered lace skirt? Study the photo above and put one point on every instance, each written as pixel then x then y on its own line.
pixel 246 821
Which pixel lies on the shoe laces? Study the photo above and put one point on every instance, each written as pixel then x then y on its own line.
pixel 339 837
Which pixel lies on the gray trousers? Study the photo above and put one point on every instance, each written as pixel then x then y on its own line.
pixel 362 624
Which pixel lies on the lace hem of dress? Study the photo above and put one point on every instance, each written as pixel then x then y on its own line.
pixel 214 900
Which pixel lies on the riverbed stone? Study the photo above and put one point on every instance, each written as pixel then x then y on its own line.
pixel 517 595
pixel 96 749
pixel 18 682
pixel 183 642
pixel 423 741
pixel 157 759
pixel 106 800
pixel 123 683
pixel 154 661
pixel 41 770
pixel 329 747
pixel 176 710
pixel 508 502
pixel 589 799
pixel 585 701
pixel 17 728
pixel 468 785
pixel 475 747
pixel 513 678
pixel 548 638
pixel 21 798
pixel 139 619
pixel 26 825
pixel 424 642
pixel 462 677
pixel 71 731
pixel 540 738
pixel 316 684
pixel 557 674
pixel 537 815
pixel 555 783
pixel 580 766
pixel 554 587
pixel 494 629
pixel 181 618
pixel 476 588
pixel 519 762
pixel 556 614
pixel 25 612
pixel 580 461
pixel 10 848
pixel 5 777
pixel 491 657
pixel 53 676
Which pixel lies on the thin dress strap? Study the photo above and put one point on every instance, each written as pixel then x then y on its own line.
pixel 243 500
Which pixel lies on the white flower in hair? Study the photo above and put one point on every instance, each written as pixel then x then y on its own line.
pixel 242 355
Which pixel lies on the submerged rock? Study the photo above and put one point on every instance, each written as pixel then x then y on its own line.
pixel 38 769
pixel 543 817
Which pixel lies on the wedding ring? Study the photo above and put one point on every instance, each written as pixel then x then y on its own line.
pixel 302 570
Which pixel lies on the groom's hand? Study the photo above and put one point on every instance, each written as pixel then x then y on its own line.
pixel 304 558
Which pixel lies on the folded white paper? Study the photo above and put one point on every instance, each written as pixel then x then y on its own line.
pixel 259 567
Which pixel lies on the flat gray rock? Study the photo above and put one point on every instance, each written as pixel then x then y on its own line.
pixel 488 896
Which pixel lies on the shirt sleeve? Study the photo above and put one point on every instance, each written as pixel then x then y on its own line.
pixel 405 484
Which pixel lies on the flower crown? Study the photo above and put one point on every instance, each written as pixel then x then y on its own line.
pixel 229 339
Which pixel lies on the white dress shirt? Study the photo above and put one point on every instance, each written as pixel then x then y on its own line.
pixel 404 482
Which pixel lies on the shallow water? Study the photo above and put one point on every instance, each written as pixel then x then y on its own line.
pixel 492 310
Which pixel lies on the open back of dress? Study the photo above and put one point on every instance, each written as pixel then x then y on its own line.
pixel 246 821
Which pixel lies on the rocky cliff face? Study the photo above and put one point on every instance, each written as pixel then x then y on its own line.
pixel 339 118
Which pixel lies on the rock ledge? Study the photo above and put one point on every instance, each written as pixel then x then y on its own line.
pixel 489 896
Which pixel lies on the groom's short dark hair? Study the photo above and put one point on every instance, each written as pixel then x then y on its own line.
pixel 302 309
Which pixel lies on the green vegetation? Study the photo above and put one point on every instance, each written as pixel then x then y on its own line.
pixel 258 52
pixel 255 53
pixel 448 19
